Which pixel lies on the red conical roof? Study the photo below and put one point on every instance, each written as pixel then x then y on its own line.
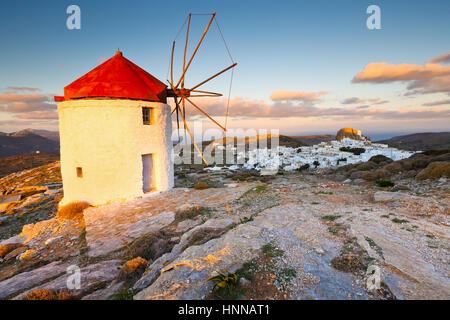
pixel 117 77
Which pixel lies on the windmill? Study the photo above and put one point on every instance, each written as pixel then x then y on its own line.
pixel 182 95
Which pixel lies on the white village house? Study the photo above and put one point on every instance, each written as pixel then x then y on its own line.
pixel 115 134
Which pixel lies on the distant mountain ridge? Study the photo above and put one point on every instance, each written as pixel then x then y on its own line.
pixel 28 141
pixel 420 141
pixel 52 135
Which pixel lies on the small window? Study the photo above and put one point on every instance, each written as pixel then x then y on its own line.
pixel 79 172
pixel 146 115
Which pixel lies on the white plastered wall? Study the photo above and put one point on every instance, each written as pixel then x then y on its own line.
pixel 107 139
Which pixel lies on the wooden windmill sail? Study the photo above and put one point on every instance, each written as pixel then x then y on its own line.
pixel 182 96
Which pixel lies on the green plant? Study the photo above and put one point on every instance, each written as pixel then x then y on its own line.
pixel 355 151
pixel 272 251
pixel 124 294
pixel 374 246
pixel 245 219
pixel 397 220
pixel 224 280
pixel 384 183
pixel 323 192
pixel 330 217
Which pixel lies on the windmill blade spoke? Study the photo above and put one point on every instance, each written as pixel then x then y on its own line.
pixel 212 77
pixel 184 112
pixel 207 92
pixel 178 123
pixel 205 95
pixel 205 114
pixel 171 65
pixel 185 46
pixel 195 51
pixel 192 139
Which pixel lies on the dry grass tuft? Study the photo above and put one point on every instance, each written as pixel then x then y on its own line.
pixel 150 246
pixel 48 294
pixel 73 210
pixel 132 269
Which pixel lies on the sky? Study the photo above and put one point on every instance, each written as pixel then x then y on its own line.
pixel 304 67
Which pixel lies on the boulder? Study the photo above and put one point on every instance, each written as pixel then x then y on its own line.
pixel 368 176
pixel 393 167
pixel 380 158
pixel 435 170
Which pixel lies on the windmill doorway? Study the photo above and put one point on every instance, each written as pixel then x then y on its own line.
pixel 147 172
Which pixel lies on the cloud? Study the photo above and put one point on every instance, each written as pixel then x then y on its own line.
pixel 354 100
pixel 430 78
pixel 384 72
pixel 442 58
pixel 243 109
pixel 18 97
pixel 23 89
pixel 436 103
pixel 305 97
pixel 28 105
pixel 39 115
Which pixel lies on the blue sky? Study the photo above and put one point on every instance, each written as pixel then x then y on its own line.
pixel 298 46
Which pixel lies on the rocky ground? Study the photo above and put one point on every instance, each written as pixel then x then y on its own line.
pixel 294 235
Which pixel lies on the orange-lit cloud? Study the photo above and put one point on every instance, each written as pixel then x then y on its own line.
pixel 384 72
pixel 39 115
pixel 27 106
pixel 429 78
pixel 442 58
pixel 21 97
pixel 243 109
pixel 306 97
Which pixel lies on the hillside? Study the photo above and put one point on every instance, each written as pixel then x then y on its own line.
pixel 23 142
pixel 25 161
pixel 314 139
pixel 420 141
pixel 285 141
pixel 303 234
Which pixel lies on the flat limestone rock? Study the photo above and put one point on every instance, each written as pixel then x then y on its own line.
pixel 91 276
pixel 215 226
pixel 113 226
pixel 185 277
pixel 26 280
pixel 106 293
pixel 386 196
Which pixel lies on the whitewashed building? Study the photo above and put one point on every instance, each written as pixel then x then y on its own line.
pixel 115 134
